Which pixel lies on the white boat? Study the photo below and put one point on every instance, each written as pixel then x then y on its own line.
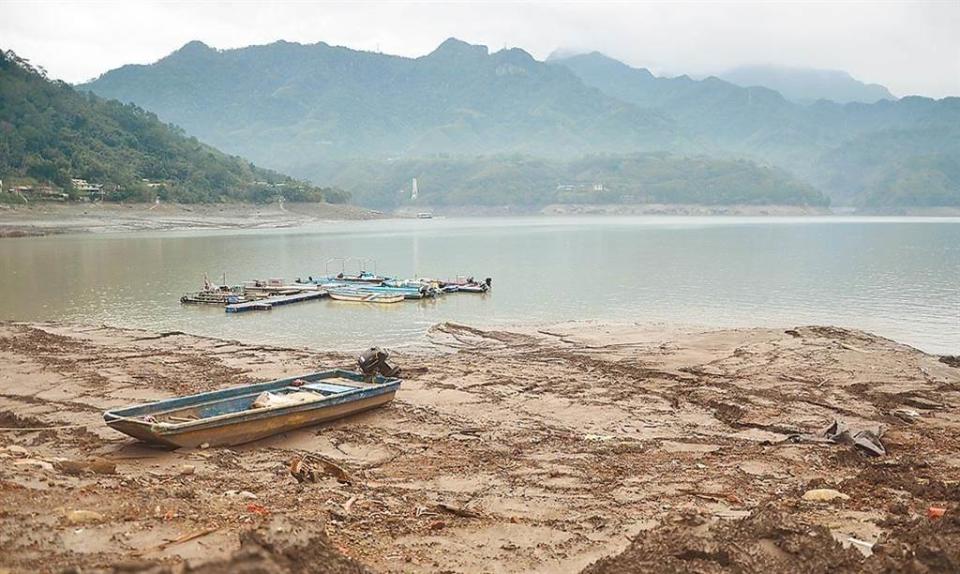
pixel 357 296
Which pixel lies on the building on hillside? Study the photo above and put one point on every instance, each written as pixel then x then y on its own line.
pixel 87 189
pixel 39 192
pixel 581 187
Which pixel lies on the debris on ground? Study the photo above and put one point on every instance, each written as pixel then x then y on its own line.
pixel 309 467
pixel 509 450
pixel 867 439
pixel 824 495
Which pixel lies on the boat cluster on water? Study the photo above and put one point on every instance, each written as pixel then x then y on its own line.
pixel 363 287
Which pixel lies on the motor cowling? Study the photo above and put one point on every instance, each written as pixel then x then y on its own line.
pixel 375 360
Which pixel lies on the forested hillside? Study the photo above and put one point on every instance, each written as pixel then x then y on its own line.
pixel 530 181
pixel 51 134
pixel 904 152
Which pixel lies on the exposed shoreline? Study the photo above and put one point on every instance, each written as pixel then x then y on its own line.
pixel 52 218
pixel 540 449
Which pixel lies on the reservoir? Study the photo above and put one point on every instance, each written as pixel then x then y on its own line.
pixel 897 277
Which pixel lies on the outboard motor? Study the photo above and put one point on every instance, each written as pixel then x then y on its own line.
pixel 375 360
pixel 489 282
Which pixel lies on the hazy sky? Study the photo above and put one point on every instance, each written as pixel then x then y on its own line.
pixel 910 47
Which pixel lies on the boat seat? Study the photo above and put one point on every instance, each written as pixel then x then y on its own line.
pixel 326 388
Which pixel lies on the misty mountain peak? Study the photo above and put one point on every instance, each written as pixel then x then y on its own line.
pixel 454 48
pixel 599 62
pixel 807 85
pixel 194 47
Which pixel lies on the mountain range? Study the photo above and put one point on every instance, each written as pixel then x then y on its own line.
pixel 313 110
pixel 808 85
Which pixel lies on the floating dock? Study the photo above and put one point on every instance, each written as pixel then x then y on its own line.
pixel 271 302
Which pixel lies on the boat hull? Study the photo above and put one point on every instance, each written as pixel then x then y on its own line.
pixel 228 417
pixel 244 431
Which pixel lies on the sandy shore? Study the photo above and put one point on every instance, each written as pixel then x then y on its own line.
pixel 546 450
pixel 47 218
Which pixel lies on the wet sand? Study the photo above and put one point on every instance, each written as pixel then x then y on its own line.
pixel 51 218
pixel 541 450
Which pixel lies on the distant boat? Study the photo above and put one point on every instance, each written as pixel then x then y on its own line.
pixel 213 294
pixel 473 288
pixel 362 277
pixel 469 284
pixel 215 297
pixel 358 296
pixel 418 292
pixel 251 412
pixel 424 215
pixel 276 287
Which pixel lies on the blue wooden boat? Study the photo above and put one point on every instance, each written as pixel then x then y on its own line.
pixel 251 412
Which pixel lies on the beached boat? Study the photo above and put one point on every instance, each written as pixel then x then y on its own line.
pixel 251 412
pixel 358 296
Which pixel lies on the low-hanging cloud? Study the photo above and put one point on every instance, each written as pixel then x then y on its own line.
pixel 910 47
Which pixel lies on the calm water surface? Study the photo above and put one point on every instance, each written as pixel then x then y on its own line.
pixel 898 277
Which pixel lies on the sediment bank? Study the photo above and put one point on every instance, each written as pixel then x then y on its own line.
pixel 535 450
pixel 50 218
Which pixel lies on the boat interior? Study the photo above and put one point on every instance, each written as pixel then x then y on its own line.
pixel 245 402
pixel 207 405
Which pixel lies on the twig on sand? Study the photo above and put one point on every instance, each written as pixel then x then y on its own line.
pixel 188 537
pixel 458 511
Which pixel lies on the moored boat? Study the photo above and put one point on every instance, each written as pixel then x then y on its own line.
pixel 419 292
pixel 470 285
pixel 362 277
pixel 251 412
pixel 213 294
pixel 214 297
pixel 359 296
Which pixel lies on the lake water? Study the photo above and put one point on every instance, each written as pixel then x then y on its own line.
pixel 898 277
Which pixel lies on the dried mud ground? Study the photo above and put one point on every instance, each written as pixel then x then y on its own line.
pixel 579 446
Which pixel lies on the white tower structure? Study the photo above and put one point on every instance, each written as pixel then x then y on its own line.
pixel 414 192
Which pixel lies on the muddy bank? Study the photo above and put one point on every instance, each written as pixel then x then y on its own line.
pixel 543 450
pixel 49 218
pixel 618 209
pixel 684 209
